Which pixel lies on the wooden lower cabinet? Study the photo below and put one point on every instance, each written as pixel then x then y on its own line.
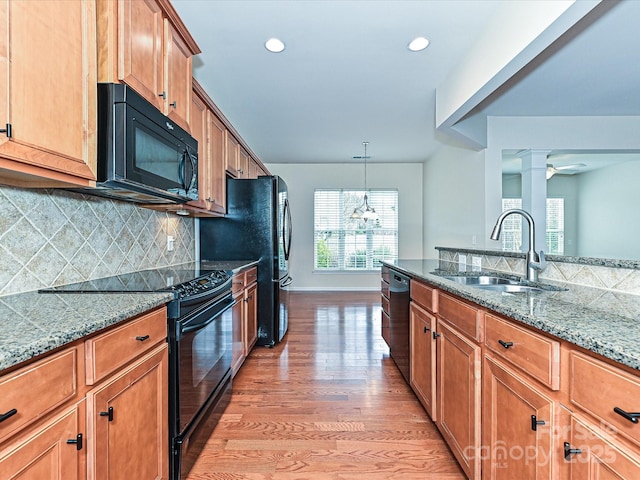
pixel 244 315
pixel 423 357
pixel 593 456
pixel 519 428
pixel 250 334
pixel 127 418
pixel 459 366
pixel 45 452
pixel 237 345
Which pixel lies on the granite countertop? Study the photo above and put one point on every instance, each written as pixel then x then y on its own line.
pixel 34 323
pixel 606 322
pixel 231 266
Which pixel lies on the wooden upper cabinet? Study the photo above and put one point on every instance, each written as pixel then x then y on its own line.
pixel 48 93
pixel 216 176
pixel 209 131
pixel 178 74
pixel 144 44
pixel 232 155
pixel 243 164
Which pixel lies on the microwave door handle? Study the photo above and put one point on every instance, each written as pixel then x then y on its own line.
pixel 181 167
pixel 194 171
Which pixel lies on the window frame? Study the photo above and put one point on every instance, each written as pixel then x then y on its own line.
pixel 331 219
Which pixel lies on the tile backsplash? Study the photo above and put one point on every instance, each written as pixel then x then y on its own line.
pixel 579 271
pixel 55 237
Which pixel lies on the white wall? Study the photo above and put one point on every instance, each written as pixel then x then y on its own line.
pixel 454 192
pixel 303 179
pixel 608 201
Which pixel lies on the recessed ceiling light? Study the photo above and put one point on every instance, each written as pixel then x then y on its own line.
pixel 274 45
pixel 418 43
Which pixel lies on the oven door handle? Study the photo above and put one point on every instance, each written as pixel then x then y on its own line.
pixel 210 318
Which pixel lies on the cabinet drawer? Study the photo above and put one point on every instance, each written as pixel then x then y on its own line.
pixel 597 388
pixel 37 389
pixel 385 304
pixel 110 350
pixel 237 283
pixel 425 296
pixel 464 316
pixel 251 276
pixel 385 273
pixel 384 287
pixel 535 354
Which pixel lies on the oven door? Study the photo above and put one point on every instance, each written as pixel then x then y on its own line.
pixel 201 359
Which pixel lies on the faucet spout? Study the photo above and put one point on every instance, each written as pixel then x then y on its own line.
pixel 535 262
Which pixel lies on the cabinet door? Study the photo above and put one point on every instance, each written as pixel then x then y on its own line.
pixel 237 346
pixel 44 453
pixel 518 426
pixel 48 93
pixel 458 397
pixel 178 77
pixel 597 458
pixel 243 164
pixel 199 119
pixel 140 53
pixel 423 357
pixel 232 155
pixel 128 420
pixel 217 159
pixel 251 317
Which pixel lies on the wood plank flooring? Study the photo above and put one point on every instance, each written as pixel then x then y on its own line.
pixel 327 403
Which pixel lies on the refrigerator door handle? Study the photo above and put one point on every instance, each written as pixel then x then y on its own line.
pixel 286 223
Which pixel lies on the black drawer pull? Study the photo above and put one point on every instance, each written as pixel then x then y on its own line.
pixel 426 329
pixel 142 338
pixel 568 451
pixel 435 335
pixel 77 441
pixel 108 414
pixel 10 413
pixel 631 416
pixel 505 344
pixel 535 423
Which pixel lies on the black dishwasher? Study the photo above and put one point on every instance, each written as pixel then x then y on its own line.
pixel 399 299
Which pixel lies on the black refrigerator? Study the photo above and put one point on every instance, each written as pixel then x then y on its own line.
pixel 257 226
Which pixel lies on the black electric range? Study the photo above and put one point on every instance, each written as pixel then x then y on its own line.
pixel 190 284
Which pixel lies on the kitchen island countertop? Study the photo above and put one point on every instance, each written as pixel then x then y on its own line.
pixel 606 322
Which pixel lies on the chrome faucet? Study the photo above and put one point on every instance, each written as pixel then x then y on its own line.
pixel 535 261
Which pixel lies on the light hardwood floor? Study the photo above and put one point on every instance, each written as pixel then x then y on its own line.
pixel 326 403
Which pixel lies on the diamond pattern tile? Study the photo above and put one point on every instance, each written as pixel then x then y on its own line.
pixel 53 237
pixel 605 278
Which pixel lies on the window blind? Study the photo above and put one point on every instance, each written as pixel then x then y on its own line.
pixel 345 244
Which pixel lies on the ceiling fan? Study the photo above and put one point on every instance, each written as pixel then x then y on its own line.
pixel 564 169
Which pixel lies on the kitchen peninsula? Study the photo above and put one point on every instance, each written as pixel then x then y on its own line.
pixel 538 371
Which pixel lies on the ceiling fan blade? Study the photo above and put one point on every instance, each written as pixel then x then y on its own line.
pixel 571 167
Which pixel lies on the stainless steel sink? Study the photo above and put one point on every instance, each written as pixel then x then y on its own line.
pixel 479 280
pixel 511 288
pixel 500 284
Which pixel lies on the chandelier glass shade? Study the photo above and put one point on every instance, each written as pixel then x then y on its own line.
pixel 365 211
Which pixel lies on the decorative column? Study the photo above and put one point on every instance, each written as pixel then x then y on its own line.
pixel 534 194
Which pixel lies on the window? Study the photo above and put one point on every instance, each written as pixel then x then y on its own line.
pixel 345 244
pixel 512 226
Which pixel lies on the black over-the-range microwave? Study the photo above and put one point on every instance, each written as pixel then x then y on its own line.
pixel 143 156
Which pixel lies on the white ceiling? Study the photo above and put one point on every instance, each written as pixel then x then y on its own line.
pixel 346 75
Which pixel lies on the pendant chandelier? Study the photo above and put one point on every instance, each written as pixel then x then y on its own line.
pixel 364 211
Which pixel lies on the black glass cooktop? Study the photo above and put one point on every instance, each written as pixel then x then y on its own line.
pixel 154 280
